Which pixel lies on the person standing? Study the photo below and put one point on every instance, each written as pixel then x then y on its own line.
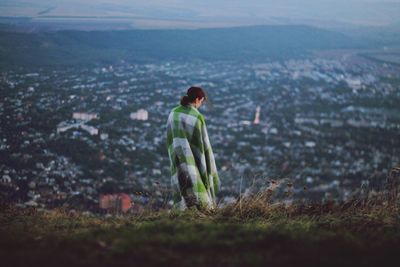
pixel 194 176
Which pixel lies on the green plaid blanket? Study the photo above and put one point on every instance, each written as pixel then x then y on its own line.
pixel 194 176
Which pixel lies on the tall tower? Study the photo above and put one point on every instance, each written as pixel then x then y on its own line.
pixel 257 117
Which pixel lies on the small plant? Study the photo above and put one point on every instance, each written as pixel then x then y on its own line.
pixel 393 187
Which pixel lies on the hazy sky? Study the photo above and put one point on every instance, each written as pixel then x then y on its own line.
pixel 359 12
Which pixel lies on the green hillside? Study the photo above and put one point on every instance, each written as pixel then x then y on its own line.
pixel 356 233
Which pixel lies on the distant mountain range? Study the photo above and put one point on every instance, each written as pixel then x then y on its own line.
pixel 259 43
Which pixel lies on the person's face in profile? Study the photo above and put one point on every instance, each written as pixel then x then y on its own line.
pixel 198 102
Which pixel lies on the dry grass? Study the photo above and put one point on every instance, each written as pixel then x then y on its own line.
pixel 254 231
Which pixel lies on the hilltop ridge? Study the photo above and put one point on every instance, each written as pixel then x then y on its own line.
pixel 71 47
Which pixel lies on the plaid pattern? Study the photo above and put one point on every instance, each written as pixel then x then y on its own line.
pixel 194 179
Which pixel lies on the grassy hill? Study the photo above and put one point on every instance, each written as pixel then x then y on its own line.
pixel 248 233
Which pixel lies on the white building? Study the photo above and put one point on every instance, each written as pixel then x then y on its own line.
pixel 257 117
pixel 90 129
pixel 103 136
pixel 141 115
pixel 63 127
pixel 6 179
pixel 84 116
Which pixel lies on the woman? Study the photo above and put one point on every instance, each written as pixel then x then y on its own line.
pixel 194 180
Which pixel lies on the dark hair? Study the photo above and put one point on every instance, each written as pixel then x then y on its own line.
pixel 191 95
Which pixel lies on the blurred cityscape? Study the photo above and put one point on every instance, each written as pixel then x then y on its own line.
pixel 328 126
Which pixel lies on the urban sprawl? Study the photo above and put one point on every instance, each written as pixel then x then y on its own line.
pixel 322 128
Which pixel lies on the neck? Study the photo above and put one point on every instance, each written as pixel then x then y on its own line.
pixel 192 105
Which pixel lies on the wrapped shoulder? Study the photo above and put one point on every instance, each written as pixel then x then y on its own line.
pixel 201 118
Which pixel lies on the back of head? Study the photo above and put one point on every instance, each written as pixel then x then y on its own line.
pixel 191 95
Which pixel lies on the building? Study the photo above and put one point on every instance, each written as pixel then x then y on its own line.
pixel 64 126
pixel 141 115
pixel 257 116
pixel 120 202
pixel 84 116
pixel 90 129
